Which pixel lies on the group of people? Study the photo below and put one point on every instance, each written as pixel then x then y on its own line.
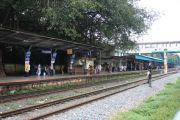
pixel 98 69
pixel 49 70
pixel 106 68
pixel 110 68
pixel 94 69
pixel 46 70
pixel 39 70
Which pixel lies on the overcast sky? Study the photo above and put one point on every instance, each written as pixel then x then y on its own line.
pixel 167 27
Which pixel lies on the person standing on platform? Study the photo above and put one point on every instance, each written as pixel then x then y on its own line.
pixel 39 70
pixel 99 67
pixel 62 69
pixel 91 69
pixel 149 73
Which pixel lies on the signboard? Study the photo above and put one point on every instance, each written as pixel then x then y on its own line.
pixel 72 59
pixel 46 51
pixel 69 51
pixel 27 57
pixel 87 53
pixel 73 56
pixel 53 57
pixel 27 67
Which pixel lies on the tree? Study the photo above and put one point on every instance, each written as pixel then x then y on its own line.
pixel 109 23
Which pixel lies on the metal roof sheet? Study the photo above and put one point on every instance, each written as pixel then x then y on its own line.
pixel 15 37
pixel 147 58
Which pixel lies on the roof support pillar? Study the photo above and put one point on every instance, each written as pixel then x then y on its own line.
pixel 100 57
pixel 53 60
pixel 165 62
pixel 2 73
pixel 27 61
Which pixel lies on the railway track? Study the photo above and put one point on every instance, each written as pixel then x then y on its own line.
pixel 10 98
pixel 114 89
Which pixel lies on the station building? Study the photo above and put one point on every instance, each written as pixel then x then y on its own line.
pixel 20 49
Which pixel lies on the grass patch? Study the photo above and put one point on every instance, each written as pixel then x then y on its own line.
pixel 160 107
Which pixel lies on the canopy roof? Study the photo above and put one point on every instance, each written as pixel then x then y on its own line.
pixel 135 57
pixel 15 37
pixel 147 58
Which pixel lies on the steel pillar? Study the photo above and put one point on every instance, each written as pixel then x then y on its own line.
pixel 165 63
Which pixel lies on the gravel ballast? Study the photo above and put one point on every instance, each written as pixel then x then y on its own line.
pixel 105 108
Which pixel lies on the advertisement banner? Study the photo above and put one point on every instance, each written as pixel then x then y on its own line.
pixel 53 57
pixel 27 67
pixel 87 53
pixel 27 57
pixel 46 51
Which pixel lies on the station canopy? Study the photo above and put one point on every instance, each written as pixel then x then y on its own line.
pixel 14 37
pixel 135 57
pixel 148 59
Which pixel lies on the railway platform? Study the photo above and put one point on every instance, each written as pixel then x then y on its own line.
pixel 18 83
pixel 19 79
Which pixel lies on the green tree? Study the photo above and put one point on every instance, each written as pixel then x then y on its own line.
pixel 109 23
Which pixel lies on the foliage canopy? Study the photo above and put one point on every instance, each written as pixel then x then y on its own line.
pixel 97 22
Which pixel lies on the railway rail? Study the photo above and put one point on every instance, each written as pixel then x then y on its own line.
pixel 115 89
